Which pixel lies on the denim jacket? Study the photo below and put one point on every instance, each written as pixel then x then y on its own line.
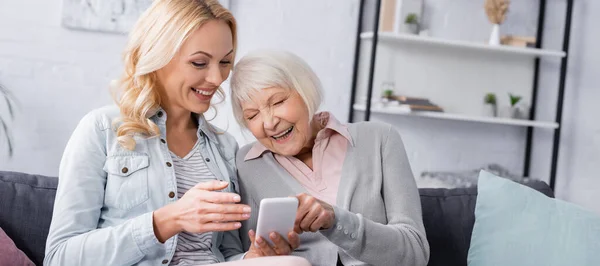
pixel 106 194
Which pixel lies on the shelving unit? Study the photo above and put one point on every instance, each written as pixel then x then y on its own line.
pixel 505 50
pixel 457 117
pixel 491 53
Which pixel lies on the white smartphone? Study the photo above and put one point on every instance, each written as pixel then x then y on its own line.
pixel 276 215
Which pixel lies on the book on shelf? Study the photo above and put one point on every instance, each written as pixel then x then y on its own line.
pixel 416 104
pixel 427 108
pixel 411 100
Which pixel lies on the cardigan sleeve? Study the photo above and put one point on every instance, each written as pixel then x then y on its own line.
pixel 404 233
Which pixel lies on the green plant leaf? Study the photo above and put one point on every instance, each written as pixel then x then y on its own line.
pixel 9 99
pixel 8 137
pixel 490 98
pixel 514 99
pixel 411 18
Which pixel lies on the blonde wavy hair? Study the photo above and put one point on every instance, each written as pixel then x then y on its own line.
pixel 154 40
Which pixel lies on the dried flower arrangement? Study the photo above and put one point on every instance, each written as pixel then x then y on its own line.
pixel 496 10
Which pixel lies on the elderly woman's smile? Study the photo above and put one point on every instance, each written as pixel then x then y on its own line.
pixel 283 136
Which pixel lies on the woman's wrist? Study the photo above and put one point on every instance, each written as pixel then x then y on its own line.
pixel 165 224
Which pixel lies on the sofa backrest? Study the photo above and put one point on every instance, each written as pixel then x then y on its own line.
pixel 449 216
pixel 26 203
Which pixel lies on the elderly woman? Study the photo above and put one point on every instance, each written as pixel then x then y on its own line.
pixel 359 204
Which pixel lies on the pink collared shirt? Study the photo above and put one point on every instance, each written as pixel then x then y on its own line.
pixel 328 157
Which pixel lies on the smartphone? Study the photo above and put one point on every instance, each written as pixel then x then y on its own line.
pixel 276 215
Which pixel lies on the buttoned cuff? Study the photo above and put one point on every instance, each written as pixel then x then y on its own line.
pixel 344 233
pixel 143 233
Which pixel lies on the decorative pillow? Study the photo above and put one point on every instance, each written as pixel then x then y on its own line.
pixel 10 254
pixel 518 226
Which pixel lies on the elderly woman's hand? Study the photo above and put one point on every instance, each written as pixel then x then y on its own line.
pixel 262 248
pixel 313 214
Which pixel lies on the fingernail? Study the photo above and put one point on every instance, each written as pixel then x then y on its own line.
pixel 247 209
pixel 246 215
pixel 224 183
pixel 236 198
pixel 273 236
pixel 259 240
pixel 238 225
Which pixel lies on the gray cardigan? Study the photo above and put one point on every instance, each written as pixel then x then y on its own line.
pixel 378 212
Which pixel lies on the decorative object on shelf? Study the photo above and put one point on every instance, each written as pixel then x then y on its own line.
pixel 417 104
pixel 412 23
pixel 387 15
pixel 388 94
pixel 387 89
pixel 496 11
pixel 514 109
pixel 408 10
pixel 490 107
pixel 518 41
pixel 4 128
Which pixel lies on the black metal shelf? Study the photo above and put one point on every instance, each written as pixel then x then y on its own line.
pixel 539 40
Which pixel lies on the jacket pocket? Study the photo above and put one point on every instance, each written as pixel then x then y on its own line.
pixel 127 181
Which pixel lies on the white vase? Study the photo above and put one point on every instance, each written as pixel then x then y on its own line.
pixel 507 112
pixel 490 110
pixel 495 37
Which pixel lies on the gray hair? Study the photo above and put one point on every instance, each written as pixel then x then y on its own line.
pixel 270 68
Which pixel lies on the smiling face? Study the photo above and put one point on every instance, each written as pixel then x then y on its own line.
pixel 278 118
pixel 197 70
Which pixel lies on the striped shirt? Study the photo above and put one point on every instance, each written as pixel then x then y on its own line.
pixel 192 249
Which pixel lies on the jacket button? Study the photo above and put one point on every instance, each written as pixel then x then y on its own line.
pixel 207 159
pixel 169 164
pixel 165 261
pixel 124 170
pixel 163 141
pixel 160 114
pixel 171 194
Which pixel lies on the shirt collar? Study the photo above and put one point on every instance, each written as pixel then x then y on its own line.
pixel 329 124
pixel 160 116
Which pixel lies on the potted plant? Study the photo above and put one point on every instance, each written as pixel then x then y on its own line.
pixel 514 100
pixel 491 107
pixel 412 23
pixel 7 97
pixel 388 94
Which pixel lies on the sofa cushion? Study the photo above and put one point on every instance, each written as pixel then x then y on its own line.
pixel 448 216
pixel 10 254
pixel 516 225
pixel 26 203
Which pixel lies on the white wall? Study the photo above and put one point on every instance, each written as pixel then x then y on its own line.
pixel 56 74
pixel 321 32
pixel 59 75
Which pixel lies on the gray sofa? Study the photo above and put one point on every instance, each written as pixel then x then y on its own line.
pixel 26 210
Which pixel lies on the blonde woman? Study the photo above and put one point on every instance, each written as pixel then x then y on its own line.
pixel 359 204
pixel 151 182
